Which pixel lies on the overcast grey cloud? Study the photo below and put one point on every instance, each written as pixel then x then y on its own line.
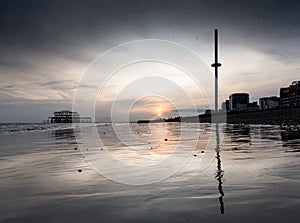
pixel 46 46
pixel 66 27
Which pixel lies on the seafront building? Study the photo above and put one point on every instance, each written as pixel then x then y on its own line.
pixel 290 96
pixel 269 102
pixel 238 101
pixel 284 97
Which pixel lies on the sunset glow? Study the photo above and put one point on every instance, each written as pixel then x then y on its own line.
pixel 159 112
pixel 151 107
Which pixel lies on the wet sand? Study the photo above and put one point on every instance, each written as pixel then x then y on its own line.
pixel 259 182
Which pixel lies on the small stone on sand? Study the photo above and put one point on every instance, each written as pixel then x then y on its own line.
pixel 80 170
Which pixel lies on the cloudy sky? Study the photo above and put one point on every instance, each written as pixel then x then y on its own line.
pixel 47 46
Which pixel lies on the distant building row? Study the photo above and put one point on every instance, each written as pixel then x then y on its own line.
pixel 289 96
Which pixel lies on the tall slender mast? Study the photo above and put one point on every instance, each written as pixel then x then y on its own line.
pixel 216 64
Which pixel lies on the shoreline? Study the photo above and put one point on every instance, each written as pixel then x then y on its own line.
pixel 275 116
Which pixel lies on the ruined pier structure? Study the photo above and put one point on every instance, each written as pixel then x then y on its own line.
pixel 66 116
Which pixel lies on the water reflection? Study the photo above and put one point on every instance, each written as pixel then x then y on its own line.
pixel 291 146
pixel 267 132
pixel 239 133
pixel 220 172
pixel 68 133
pixel 290 133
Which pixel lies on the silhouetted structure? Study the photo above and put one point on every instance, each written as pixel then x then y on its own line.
pixel 66 116
pixel 290 96
pixel 269 102
pixel 173 119
pixel 238 101
pixel 216 64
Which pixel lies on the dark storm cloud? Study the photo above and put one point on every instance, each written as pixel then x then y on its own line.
pixel 65 26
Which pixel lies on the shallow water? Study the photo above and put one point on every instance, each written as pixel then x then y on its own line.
pixel 255 178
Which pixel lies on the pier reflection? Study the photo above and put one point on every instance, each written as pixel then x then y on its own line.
pixel 68 133
pixel 220 172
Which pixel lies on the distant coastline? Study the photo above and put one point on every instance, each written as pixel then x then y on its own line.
pixel 275 116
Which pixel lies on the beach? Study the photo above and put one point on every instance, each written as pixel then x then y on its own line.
pixel 46 178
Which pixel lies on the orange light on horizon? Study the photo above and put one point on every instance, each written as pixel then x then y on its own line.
pixel 151 107
pixel 159 112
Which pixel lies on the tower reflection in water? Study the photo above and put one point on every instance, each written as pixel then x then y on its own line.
pixel 220 172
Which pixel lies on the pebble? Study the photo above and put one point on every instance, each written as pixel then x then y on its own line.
pixel 80 170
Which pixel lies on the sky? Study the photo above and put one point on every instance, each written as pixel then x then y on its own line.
pixel 47 48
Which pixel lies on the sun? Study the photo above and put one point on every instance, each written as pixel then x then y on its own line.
pixel 158 112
